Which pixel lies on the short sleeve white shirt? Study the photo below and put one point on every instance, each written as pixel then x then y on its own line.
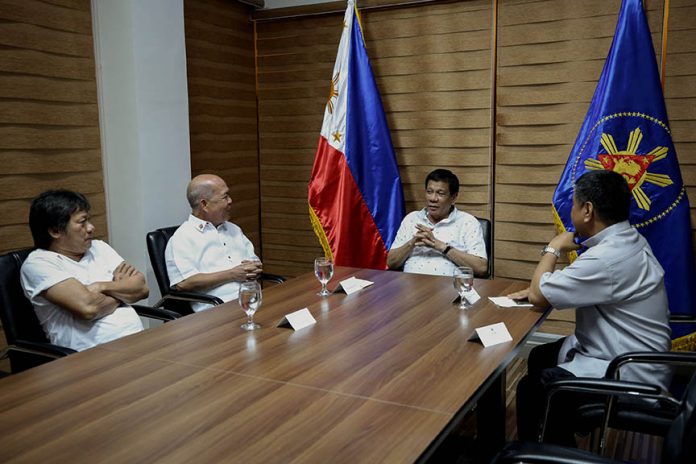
pixel 43 269
pixel 200 247
pixel 460 230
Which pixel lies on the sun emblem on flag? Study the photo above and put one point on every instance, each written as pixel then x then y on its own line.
pixel 632 166
pixel 333 92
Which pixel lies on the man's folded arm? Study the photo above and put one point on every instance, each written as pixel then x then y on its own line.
pixel 73 296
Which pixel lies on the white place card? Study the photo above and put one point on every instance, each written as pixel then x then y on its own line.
pixel 471 297
pixel 492 334
pixel 298 319
pixel 352 285
pixel 505 302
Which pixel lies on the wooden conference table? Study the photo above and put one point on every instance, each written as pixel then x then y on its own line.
pixel 383 376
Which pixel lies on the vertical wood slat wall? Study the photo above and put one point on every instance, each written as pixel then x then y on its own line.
pixel 550 56
pixel 49 121
pixel 222 103
pixel 432 66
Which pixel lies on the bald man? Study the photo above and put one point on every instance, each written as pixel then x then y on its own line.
pixel 208 253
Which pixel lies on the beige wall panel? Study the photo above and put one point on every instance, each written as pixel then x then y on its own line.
pixel 550 56
pixel 680 90
pixel 28 162
pixel 32 37
pixel 49 16
pixel 47 89
pixel 222 103
pixel 49 121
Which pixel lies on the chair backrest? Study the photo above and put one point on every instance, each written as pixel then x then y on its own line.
pixel 679 446
pixel 19 320
pixel 487 239
pixel 156 244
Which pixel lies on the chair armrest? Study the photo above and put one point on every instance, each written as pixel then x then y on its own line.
pixel 682 319
pixel 672 358
pixel 544 453
pixel 607 387
pixel 196 297
pixel 46 349
pixel 156 313
pixel 272 277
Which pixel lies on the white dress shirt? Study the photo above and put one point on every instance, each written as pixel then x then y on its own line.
pixel 200 247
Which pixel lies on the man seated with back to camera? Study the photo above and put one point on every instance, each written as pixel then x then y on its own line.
pixel 617 287
pixel 438 238
pixel 208 253
pixel 80 287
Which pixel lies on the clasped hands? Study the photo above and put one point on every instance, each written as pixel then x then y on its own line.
pixel 424 237
pixel 248 270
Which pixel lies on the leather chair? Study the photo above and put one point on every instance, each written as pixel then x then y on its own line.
pixel 638 416
pixel 173 299
pixel 679 444
pixel 28 344
pixel 488 240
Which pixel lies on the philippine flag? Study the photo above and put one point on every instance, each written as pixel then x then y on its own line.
pixel 355 199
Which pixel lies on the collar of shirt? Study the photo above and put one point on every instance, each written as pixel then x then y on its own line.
pixel 200 225
pixel 447 220
pixel 609 231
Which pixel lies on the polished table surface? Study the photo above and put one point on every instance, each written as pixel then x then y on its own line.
pixel 383 375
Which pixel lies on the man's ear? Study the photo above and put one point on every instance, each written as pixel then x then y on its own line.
pixel 588 211
pixel 54 233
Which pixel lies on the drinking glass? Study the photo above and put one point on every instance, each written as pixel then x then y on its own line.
pixel 323 269
pixel 250 299
pixel 463 282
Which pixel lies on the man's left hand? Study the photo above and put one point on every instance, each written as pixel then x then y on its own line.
pixel 564 242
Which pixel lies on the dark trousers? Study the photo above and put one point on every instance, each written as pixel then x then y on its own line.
pixel 531 398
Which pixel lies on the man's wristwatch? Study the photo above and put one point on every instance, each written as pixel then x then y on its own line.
pixel 552 250
pixel 446 250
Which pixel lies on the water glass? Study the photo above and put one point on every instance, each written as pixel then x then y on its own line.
pixel 323 269
pixel 463 283
pixel 250 299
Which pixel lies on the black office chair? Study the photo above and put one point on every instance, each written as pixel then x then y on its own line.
pixel 638 416
pixel 679 445
pixel 28 345
pixel 173 299
pixel 488 240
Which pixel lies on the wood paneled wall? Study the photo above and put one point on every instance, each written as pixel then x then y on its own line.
pixel 433 69
pixel 680 91
pixel 49 120
pixel 222 103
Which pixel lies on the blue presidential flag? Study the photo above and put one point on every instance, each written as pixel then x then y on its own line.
pixel 626 130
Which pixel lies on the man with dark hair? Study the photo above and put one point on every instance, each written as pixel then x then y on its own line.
pixel 80 288
pixel 617 287
pixel 207 253
pixel 438 238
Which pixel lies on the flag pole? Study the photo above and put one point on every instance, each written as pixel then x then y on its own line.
pixel 663 58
